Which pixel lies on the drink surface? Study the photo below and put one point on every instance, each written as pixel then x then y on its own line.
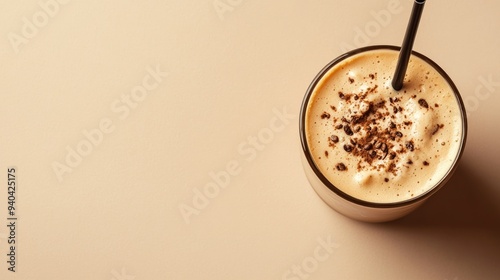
pixel 377 144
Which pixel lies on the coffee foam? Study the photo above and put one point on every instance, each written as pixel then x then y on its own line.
pixel 377 144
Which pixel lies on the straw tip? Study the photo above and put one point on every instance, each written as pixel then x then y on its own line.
pixel 397 86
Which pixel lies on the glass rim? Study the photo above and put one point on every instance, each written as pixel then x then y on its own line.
pixel 331 186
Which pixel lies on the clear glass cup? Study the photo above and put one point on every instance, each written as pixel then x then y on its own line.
pixel 350 205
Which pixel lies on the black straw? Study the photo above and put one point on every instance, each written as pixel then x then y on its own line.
pixel 404 54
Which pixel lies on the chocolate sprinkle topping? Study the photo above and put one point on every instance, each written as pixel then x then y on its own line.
pixel 325 115
pixel 348 130
pixel 436 128
pixel 341 167
pixel 423 103
pixel 348 148
pixel 384 147
pixel 410 146
pixel 375 131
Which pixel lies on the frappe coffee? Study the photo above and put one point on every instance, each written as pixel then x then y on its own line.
pixel 377 147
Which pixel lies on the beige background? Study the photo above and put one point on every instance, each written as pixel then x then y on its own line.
pixel 232 73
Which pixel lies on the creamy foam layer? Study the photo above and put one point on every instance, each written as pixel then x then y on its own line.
pixel 375 143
